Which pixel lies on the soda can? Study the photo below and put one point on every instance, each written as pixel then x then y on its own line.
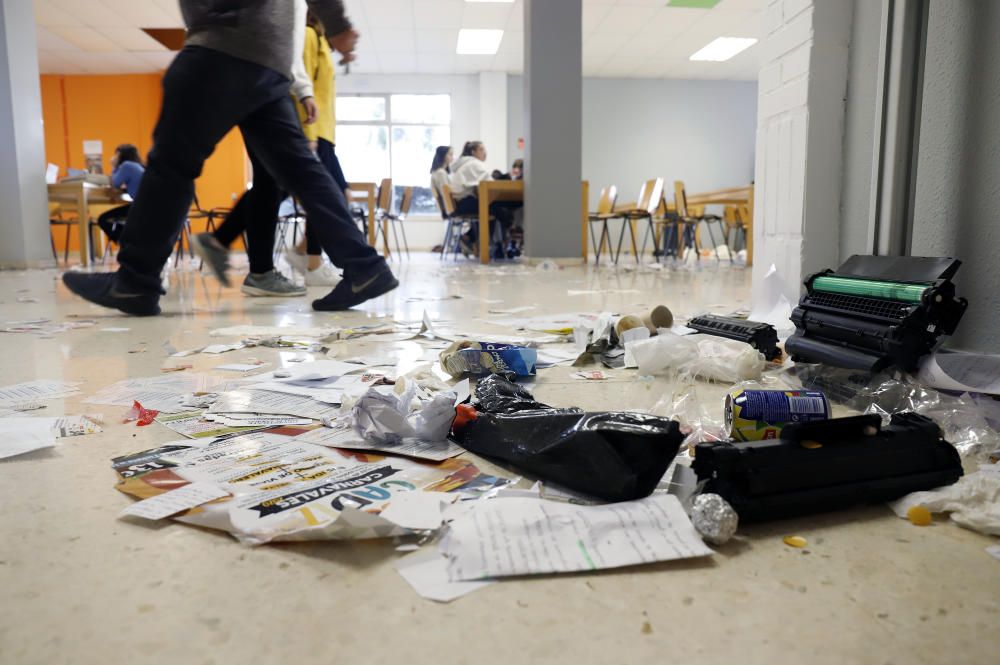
pixel 756 415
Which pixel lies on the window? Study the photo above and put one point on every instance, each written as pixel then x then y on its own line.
pixel 393 136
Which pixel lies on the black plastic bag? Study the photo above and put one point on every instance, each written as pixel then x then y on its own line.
pixel 613 456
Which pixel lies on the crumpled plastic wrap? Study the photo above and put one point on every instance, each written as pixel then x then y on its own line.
pixel 714 518
pixel 611 456
pixel 961 418
pixel 466 357
pixel 973 501
pixel 697 356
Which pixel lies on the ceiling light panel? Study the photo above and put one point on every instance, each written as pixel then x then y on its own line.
pixel 478 42
pixel 723 48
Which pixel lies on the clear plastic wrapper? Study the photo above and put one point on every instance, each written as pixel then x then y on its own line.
pixel 961 419
pixel 710 358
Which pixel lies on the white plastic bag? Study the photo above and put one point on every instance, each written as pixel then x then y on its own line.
pixel 711 358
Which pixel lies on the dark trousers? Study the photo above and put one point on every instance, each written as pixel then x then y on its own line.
pixel 256 213
pixel 327 153
pixel 112 222
pixel 205 94
pixel 503 211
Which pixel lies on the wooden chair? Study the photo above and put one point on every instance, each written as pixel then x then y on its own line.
pixel 645 207
pixel 383 206
pixel 399 217
pixel 604 212
pixel 56 219
pixel 456 223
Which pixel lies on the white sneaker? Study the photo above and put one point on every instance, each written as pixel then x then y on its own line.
pixel 325 275
pixel 298 262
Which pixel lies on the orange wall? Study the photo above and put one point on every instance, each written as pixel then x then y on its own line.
pixel 120 109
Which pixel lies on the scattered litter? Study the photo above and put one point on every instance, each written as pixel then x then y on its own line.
pixel 165 393
pixel 239 367
pixel 992 550
pixel 140 415
pixel 347 438
pixel 755 415
pixel 222 348
pixel 30 391
pixel 513 310
pixel 919 516
pixel 287 489
pixel 426 570
pixel 961 372
pixel 542 536
pixel 479 358
pixel 272 331
pixel 795 541
pixel 599 454
pixel 709 358
pixel 115 330
pixel 175 501
pixel 592 375
pixel 973 502
pixel 26 299
pixel 176 368
pixel 196 425
pixel 714 518
pixel 24 435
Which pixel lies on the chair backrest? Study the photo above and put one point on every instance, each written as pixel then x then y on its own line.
pixel 649 195
pixel 405 202
pixel 680 198
pixel 385 194
pixel 447 200
pixel 607 202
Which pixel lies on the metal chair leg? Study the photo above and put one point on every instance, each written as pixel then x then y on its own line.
pixel 66 248
pixel 395 234
pixel 406 243
pixel 635 250
pixel 621 240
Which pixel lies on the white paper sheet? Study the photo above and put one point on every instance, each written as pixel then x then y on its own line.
pixel 965 372
pixel 222 348
pixel 194 425
pixel 349 439
pixel 426 570
pixel 35 390
pixel 162 393
pixel 24 435
pixel 771 305
pixel 420 511
pixel 263 401
pixel 550 357
pixel 518 536
pixel 272 331
pixel 239 367
pixel 174 501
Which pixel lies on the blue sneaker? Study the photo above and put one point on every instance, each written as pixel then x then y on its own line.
pixel 351 292
pixel 101 289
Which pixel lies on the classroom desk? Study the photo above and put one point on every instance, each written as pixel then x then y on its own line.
pixel 80 195
pixel 512 190
pixel 365 191
pixel 730 196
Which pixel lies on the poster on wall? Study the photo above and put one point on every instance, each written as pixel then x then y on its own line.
pixel 93 153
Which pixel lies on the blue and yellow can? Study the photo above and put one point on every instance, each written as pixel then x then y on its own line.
pixel 756 415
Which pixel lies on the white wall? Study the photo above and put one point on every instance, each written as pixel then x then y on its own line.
pixel 701 132
pixel 958 168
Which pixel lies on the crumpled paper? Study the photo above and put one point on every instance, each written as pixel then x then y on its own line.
pixel 973 501
pixel 390 417
pixel 711 358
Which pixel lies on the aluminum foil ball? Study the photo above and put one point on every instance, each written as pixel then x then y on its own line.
pixel 714 518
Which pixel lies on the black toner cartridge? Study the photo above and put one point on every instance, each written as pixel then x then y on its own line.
pixel 760 336
pixel 875 312
pixel 828 465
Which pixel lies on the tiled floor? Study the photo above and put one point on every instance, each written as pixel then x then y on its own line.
pixel 80 586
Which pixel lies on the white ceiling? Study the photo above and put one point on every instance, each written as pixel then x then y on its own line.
pixel 621 38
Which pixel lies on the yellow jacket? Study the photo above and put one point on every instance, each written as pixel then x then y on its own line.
pixel 319 66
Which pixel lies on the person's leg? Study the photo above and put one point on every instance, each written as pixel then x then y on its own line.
pixel 112 221
pixel 327 153
pixel 186 134
pixel 274 134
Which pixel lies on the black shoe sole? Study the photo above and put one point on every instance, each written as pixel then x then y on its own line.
pixel 137 306
pixel 374 292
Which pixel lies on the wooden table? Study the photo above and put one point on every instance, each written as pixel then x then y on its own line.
pixel 365 191
pixel 80 195
pixel 512 190
pixel 730 196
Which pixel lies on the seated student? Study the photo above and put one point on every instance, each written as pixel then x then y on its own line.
pixel 466 174
pixel 516 171
pixel 126 174
pixel 443 157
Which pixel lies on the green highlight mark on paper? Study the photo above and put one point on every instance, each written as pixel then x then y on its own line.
pixel 586 555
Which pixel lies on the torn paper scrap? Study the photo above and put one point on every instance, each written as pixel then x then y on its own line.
pixel 426 570
pixel 267 402
pixel 194 425
pixel 420 511
pixel 222 348
pixel 503 537
pixel 175 501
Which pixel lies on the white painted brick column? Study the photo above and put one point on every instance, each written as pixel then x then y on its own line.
pixel 800 128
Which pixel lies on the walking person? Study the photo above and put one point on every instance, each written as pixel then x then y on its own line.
pixel 239 56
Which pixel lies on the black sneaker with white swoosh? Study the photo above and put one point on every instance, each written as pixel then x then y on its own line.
pixel 351 292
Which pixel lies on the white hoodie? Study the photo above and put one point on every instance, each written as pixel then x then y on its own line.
pixel 466 174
